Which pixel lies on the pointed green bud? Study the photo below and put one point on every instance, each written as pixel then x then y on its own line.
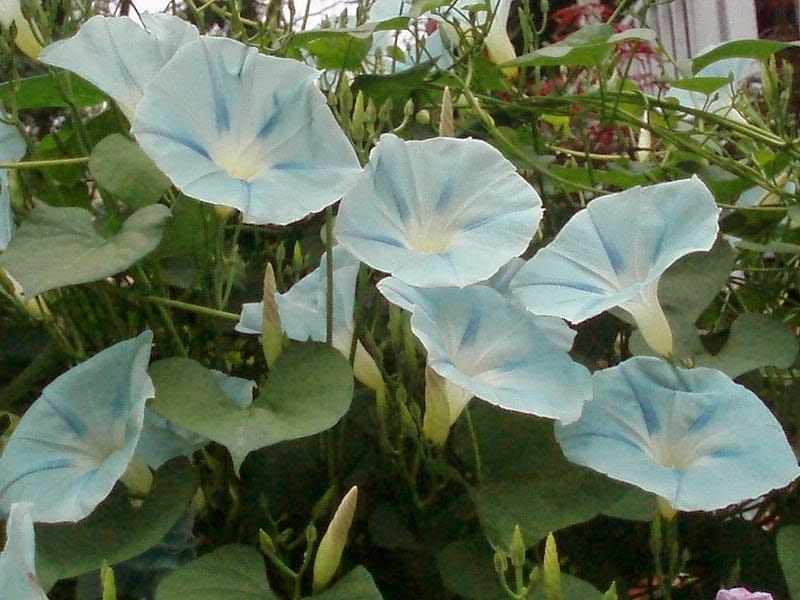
pixel 371 114
pixel 108 582
pixel 271 331
pixel 552 571
pixel 517 548
pixel 500 562
pixel 332 100
pixel 407 423
pixel 280 256
pixel 322 506
pixel 408 109
pixel 611 593
pixel 357 126
pixel 329 552
pixel 20 28
pixel 311 534
pixel 447 126
pixel 345 99
pixel 385 111
pixel 265 543
pixel 297 258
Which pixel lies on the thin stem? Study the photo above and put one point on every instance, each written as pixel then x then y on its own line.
pixel 195 308
pixel 39 164
pixel 329 276
pixel 475 448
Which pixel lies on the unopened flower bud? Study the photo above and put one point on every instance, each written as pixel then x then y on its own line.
pixel 329 552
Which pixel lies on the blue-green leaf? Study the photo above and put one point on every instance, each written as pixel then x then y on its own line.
pixel 55 247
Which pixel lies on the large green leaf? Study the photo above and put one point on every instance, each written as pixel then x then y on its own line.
pixel 754 341
pixel 308 391
pixel 397 87
pixel 120 166
pixel 55 247
pixel 116 530
pixel 704 85
pixel 757 49
pixel 789 554
pixel 232 572
pixel 587 47
pixel 42 91
pixel 686 290
pixel 467 570
pixel 338 52
pixel 528 482
pixel 356 585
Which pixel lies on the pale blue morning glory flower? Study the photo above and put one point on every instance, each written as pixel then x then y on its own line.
pixel 77 439
pixel 691 436
pixel 17 561
pixel 408 297
pixel 12 148
pixel 303 309
pixel 439 212
pixel 118 56
pixel 233 127
pixel 162 440
pixel 483 344
pixel 613 253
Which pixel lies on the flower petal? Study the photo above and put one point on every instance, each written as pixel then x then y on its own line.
pixel 78 437
pixel 439 212
pixel 408 298
pixel 131 55
pixel 162 440
pixel 230 126
pixel 17 562
pixel 615 249
pixel 693 437
pixel 466 333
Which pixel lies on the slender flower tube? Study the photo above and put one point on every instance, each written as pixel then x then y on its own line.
pixel 498 44
pixel 10 12
pixel 613 253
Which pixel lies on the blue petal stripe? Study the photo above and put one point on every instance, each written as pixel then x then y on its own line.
pixel 576 285
pixel 471 331
pixel 614 256
pixel 192 145
pixel 220 105
pixel 649 414
pixel 399 201
pixel 446 195
pixel 608 435
pixel 703 419
pixel 120 63
pixel 377 237
pixel 50 465
pixel 73 422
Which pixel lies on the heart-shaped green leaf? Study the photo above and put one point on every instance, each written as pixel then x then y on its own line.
pixel 55 247
pixel 232 572
pixel 116 530
pixel 121 167
pixel 308 391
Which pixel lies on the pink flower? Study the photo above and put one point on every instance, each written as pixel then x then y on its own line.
pixel 742 594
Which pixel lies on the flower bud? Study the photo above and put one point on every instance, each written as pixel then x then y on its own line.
pixel 329 552
pixel 271 332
